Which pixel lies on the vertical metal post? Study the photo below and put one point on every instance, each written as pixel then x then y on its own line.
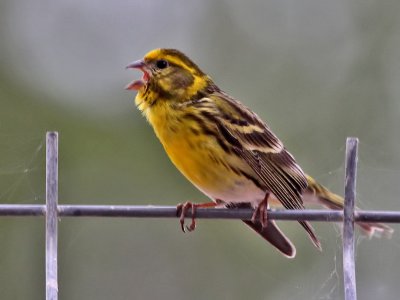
pixel 349 272
pixel 51 215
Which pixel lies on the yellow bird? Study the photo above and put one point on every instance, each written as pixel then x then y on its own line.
pixel 224 148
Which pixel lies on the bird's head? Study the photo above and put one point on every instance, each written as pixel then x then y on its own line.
pixel 168 75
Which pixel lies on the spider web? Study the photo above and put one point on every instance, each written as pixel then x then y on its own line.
pixel 22 180
pixel 377 259
pixel 21 169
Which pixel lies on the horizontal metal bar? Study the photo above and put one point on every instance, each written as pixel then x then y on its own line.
pixel 201 213
pixel 377 216
pixel 22 210
pixel 150 211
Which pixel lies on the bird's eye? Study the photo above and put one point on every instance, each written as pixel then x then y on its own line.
pixel 161 64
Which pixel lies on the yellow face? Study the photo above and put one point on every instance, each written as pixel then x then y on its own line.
pixel 168 74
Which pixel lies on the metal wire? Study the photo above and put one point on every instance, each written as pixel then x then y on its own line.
pixel 154 211
pixel 52 211
pixel 51 216
pixel 349 265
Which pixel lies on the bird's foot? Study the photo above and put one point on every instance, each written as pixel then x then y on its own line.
pixel 182 209
pixel 261 211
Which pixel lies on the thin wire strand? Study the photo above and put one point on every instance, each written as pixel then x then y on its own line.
pixel 52 211
pixel 150 211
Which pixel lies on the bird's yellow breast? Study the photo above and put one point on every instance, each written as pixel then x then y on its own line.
pixel 189 152
pixel 197 156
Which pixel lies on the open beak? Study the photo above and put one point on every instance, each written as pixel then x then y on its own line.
pixel 138 84
pixel 137 64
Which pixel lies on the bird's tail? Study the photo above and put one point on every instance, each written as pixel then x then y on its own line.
pixel 317 193
pixel 270 232
pixel 275 236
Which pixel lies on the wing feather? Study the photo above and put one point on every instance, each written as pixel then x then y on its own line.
pixel 254 141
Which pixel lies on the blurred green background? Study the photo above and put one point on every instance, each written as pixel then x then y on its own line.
pixel 317 71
